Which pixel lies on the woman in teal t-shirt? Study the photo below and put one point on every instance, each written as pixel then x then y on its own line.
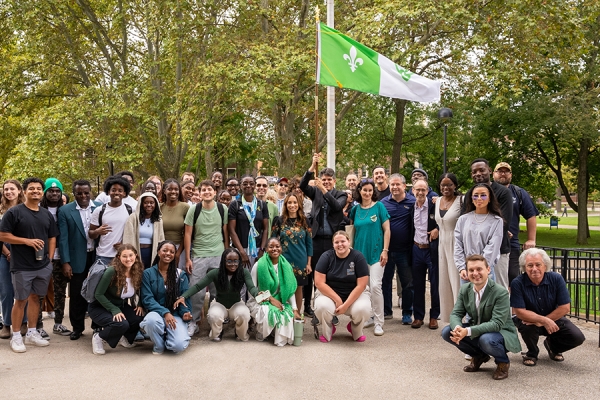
pixel 372 238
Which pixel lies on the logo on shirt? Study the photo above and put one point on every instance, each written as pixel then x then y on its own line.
pixel 350 270
pixel 374 218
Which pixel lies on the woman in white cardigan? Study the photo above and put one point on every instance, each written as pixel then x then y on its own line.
pixel 144 228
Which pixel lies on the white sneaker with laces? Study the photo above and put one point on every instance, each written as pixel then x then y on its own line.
pixel 123 342
pixel 97 344
pixel 36 339
pixel 192 328
pixel 369 323
pixel 16 344
pixel 378 331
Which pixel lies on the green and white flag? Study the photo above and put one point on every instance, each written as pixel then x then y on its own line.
pixel 345 63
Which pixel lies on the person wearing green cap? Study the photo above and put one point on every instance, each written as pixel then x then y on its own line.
pixel 57 292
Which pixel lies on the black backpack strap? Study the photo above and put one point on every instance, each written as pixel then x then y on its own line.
pixel 102 209
pixel 197 212
pixel 222 212
pixel 128 207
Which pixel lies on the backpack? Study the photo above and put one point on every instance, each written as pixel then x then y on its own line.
pixel 197 211
pixel 127 206
pixel 88 289
pixel 519 195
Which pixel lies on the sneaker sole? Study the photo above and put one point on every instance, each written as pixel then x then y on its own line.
pixel 38 344
pixel 18 350
pixel 61 333
pixel 378 333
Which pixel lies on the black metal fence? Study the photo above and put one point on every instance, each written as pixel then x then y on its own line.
pixel 580 269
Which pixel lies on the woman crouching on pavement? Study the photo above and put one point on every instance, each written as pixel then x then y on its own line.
pixel 276 314
pixel 162 284
pixel 228 280
pixel 119 320
pixel 341 278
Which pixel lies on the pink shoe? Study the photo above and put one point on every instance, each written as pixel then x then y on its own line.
pixel 322 338
pixel 360 339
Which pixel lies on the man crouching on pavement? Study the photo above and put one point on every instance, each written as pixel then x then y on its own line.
pixel 490 331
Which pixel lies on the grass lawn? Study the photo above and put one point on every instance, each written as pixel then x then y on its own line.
pixel 561 238
pixel 592 221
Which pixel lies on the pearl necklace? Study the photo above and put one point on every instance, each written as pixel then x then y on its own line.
pixel 478 221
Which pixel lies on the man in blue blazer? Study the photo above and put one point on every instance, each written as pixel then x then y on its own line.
pixel 491 331
pixel 77 250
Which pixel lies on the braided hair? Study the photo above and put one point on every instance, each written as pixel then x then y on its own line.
pixel 172 286
pixel 237 279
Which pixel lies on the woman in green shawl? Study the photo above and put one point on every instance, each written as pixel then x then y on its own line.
pixel 276 314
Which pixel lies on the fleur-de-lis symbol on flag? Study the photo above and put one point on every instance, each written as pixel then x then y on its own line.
pixel 353 62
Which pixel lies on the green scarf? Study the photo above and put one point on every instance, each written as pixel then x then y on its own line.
pixel 267 280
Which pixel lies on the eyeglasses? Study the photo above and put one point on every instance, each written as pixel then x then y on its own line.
pixel 503 172
pixel 480 196
pixel 368 180
pixel 283 185
pixel 261 185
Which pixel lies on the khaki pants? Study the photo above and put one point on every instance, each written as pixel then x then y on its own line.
pixel 359 312
pixel 239 313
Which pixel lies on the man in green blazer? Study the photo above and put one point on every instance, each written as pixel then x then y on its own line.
pixel 77 250
pixel 490 331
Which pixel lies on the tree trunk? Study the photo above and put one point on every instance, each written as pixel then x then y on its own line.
pixel 583 232
pixel 398 132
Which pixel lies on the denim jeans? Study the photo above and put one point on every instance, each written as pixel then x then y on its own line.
pixel 491 343
pixel 176 340
pixel 398 261
pixel 105 260
pixel 7 294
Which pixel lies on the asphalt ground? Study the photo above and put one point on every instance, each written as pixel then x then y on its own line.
pixel 404 363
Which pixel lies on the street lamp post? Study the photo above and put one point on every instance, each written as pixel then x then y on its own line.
pixel 445 115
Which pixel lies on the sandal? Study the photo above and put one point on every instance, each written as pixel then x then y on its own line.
pixel 553 356
pixel 529 361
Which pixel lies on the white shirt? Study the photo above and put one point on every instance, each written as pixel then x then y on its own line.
pixel 104 198
pixel 478 296
pixel 86 217
pixel 420 221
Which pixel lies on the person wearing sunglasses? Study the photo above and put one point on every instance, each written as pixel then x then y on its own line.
pixel 479 231
pixel 481 172
pixel 282 191
pixel 262 187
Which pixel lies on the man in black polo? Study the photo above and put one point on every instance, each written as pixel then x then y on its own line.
pixel 327 217
pixel 32 231
pixel 540 300
pixel 480 172
pixel 381 181
pixel 522 206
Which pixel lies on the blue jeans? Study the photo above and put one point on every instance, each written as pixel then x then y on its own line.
pixel 398 261
pixel 105 260
pixel 175 340
pixel 7 294
pixel 491 344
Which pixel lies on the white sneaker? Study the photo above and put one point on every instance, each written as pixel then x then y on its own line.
pixel 399 302
pixel 97 344
pixel 378 331
pixel 192 328
pixel 36 339
pixel 369 323
pixel 123 342
pixel 16 344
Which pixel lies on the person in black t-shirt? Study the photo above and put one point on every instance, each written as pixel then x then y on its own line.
pixel 32 231
pixel 341 278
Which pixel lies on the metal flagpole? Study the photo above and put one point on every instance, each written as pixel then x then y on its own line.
pixel 316 84
pixel 330 103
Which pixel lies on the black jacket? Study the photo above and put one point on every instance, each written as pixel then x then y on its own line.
pixel 336 200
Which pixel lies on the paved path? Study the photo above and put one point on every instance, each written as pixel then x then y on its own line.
pixel 404 363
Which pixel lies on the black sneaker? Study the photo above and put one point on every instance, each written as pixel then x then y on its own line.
pixel 309 312
pixel 335 321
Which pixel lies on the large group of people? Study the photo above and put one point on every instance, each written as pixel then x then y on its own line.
pixel 260 253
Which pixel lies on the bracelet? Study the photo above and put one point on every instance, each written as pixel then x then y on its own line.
pixel 385 250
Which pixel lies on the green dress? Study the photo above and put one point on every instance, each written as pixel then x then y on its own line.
pixel 296 245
